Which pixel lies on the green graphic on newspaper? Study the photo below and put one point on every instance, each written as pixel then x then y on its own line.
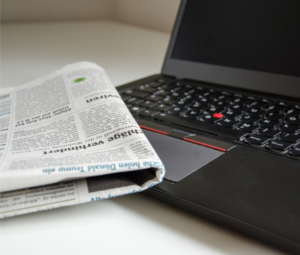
pixel 81 79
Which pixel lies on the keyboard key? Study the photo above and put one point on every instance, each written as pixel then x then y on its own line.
pixel 275 108
pixel 161 107
pixel 153 98
pixel 167 100
pixel 206 94
pixel 289 128
pixel 174 95
pixel 190 92
pixel 162 80
pixel 296 106
pixel 265 100
pixel 249 119
pixel 237 108
pixel 239 95
pixel 211 110
pixel 154 84
pixel 257 105
pixel 274 116
pixel 201 89
pixel 255 112
pixel 148 113
pixel 256 140
pixel 182 91
pixel 250 128
pixel 293 120
pixel 203 101
pixel 195 107
pixel 135 109
pixel 134 100
pixel 177 84
pixel 218 104
pixel 228 123
pixel 287 137
pixel 226 93
pixel 231 115
pixel 144 88
pixel 280 103
pixel 181 103
pixel 147 104
pixel 252 98
pixel 214 100
pixel 214 91
pixel 176 110
pixel 135 93
pixel 167 86
pixel 293 112
pixel 161 92
pixel 278 146
pixel 187 99
pixel 295 151
pixel 175 90
pixel 267 132
pixel 221 98
pixel 188 86
pixel 268 123
pixel 191 114
pixel 239 101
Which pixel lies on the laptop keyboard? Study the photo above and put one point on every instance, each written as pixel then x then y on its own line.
pixel 261 122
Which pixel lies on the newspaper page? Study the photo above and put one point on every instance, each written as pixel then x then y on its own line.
pixel 68 138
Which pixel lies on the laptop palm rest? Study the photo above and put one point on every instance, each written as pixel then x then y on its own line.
pixel 180 158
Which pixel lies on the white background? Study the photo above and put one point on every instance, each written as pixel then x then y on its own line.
pixel 155 14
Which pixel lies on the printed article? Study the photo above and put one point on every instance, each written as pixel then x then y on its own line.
pixel 68 138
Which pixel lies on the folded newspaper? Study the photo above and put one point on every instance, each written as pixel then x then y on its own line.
pixel 68 138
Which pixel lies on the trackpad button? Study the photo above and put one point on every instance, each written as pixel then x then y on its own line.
pixel 180 158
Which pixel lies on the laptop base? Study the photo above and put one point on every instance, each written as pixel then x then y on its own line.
pixel 255 196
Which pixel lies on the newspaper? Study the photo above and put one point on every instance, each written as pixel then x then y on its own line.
pixel 68 138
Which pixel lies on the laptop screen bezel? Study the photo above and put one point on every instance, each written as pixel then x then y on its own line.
pixel 273 83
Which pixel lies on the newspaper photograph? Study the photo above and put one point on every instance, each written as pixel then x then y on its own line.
pixel 68 138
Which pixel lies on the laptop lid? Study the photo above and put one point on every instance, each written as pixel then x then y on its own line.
pixel 244 44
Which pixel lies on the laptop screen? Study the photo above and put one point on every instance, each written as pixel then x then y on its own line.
pixel 257 41
pixel 256 35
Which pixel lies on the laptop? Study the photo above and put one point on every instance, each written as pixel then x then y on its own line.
pixel 224 116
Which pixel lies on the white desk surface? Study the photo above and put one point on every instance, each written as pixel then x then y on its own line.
pixel 134 224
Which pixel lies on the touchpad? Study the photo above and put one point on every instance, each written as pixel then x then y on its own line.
pixel 180 158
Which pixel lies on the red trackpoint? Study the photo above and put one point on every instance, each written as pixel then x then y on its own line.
pixel 218 115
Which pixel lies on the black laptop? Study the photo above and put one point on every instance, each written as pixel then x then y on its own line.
pixel 224 116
